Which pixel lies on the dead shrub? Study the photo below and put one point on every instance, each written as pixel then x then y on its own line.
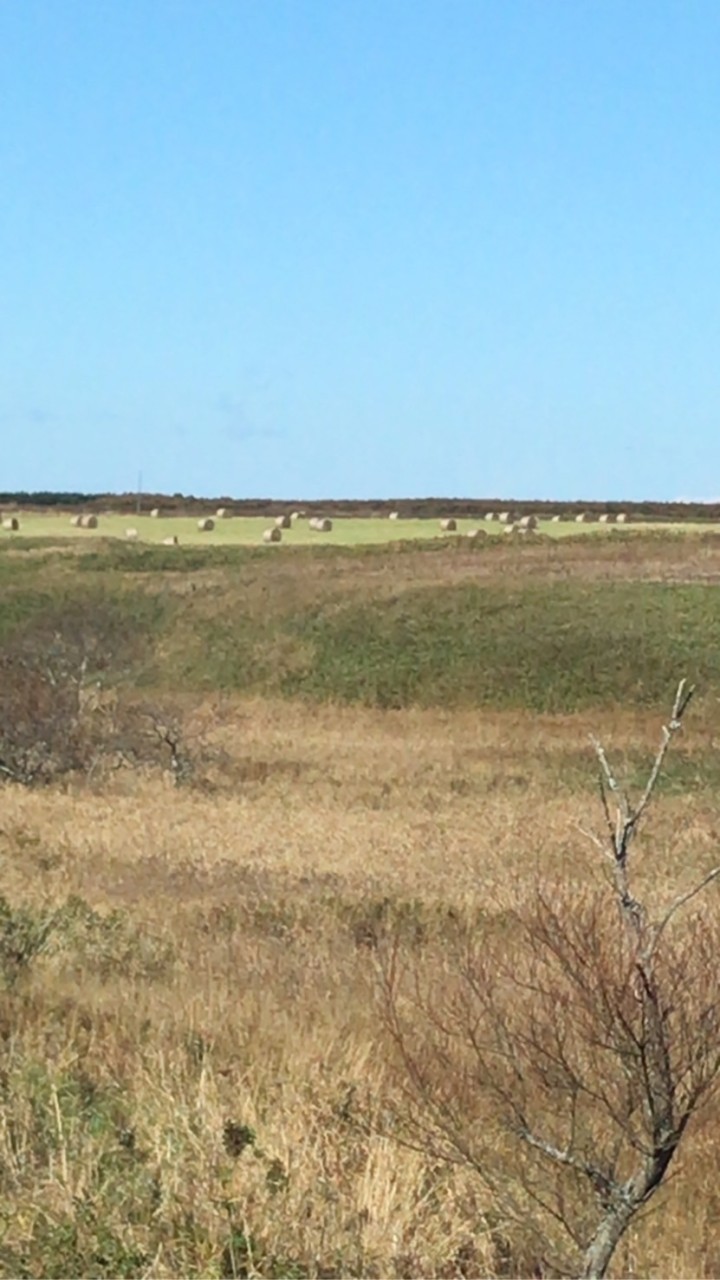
pixel 564 1064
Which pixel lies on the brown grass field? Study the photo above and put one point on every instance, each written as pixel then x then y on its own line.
pixel 225 976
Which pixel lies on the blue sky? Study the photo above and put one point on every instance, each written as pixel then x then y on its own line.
pixel 361 248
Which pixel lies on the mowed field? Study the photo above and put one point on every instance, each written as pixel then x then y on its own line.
pixel 248 531
pixel 196 1074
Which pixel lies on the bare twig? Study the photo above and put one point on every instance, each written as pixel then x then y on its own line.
pixel 657 929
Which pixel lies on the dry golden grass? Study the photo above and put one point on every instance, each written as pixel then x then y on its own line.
pixel 237 990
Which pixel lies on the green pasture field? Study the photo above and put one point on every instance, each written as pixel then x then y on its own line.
pixel 248 531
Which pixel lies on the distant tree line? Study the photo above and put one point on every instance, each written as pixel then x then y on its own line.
pixel 408 508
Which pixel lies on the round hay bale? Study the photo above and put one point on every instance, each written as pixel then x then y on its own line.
pixel 88 522
pixel 206 525
pixel 528 522
pixel 512 528
pixel 11 523
pixel 394 515
pixel 295 516
pixel 491 515
pixel 323 524
pixel 76 521
pixel 172 540
pixel 505 517
pixel 476 535
pixel 555 519
pixel 607 518
pixel 155 513
pixel 273 535
pixel 583 518
pixel 623 517
pixel 222 513
pixel 448 526
pixel 283 522
pixel 131 534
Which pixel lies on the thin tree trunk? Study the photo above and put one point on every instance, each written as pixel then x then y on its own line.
pixel 605 1241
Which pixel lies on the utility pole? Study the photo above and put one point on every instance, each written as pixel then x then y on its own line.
pixel 139 492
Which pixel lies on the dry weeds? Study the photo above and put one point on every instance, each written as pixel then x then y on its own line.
pixel 236 1042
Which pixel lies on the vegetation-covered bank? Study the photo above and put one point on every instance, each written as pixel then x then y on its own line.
pixel 540 627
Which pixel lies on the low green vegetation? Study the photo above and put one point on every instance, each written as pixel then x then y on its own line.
pixel 355 626
pixel 551 648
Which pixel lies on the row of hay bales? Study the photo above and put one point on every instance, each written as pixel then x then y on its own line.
pixel 207 524
pixel 589 517
pixel 222 513
pixel 527 523
pixel 584 517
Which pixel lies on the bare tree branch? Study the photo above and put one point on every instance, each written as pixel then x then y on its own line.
pixel 591 1033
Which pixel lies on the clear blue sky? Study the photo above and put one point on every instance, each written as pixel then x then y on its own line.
pixel 357 248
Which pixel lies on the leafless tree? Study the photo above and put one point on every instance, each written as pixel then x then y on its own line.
pixel 50 676
pixel 563 1056
pixel 60 706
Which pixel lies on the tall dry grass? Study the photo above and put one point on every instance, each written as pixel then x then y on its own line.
pixel 194 1074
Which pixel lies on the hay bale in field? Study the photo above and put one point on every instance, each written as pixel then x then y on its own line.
pixel 555 519
pixel 295 516
pixel 172 540
pixel 312 522
pixel 11 524
pixel 273 535
pixel 131 534
pixel 491 515
pixel 476 535
pixel 155 513
pixel 283 522
pixel 583 518
pixel 206 525
pixel 623 517
pixel 606 518
pixel 512 528
pixel 394 515
pixel 505 517
pixel 323 524
pixel 222 513
pixel 448 526
pixel 528 522
pixel 88 522
pixel 76 521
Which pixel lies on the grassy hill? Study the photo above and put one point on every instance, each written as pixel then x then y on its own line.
pixel 537 627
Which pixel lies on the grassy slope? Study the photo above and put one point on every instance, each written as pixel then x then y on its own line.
pixel 546 628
